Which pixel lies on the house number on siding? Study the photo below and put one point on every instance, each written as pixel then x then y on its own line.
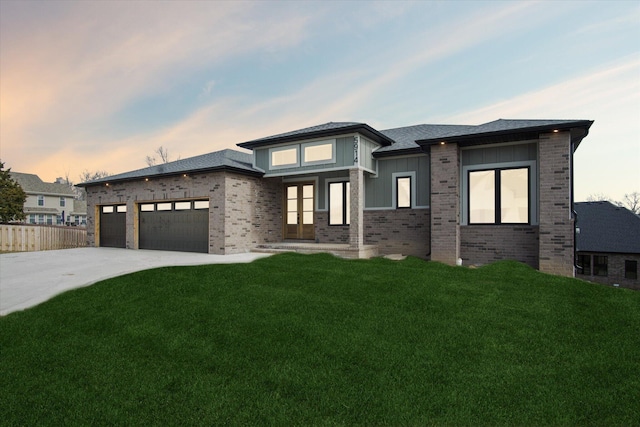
pixel 356 139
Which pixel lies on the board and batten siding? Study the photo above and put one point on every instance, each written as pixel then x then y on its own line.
pixel 502 154
pixel 379 190
pixel 344 157
pixel 367 147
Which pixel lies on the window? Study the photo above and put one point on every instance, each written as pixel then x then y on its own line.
pixel 403 192
pixel 283 157
pixel 41 219
pixel 319 152
pixel 600 265
pixel 107 209
pixel 40 200
pixel 584 265
pixel 32 219
pixel 499 196
pixel 183 206
pixel 121 208
pixel 163 207
pixel 201 204
pixel 630 269
pixel 50 219
pixel 150 207
pixel 62 202
pixel 339 202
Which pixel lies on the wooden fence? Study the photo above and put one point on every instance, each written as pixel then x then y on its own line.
pixel 26 238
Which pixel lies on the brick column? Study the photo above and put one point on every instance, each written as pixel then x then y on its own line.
pixel 556 223
pixel 445 203
pixel 356 227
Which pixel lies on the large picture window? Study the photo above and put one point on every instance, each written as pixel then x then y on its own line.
pixel 339 202
pixel 499 196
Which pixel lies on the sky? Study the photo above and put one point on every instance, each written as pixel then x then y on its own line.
pixel 100 85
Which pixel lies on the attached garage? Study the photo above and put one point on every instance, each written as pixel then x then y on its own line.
pixel 113 226
pixel 174 226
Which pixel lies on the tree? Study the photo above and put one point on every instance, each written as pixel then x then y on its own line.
pixel 632 202
pixel 12 197
pixel 85 176
pixel 162 153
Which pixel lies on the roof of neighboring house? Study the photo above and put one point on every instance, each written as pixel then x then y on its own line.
pixel 32 184
pixel 219 160
pixel 605 227
pixel 326 129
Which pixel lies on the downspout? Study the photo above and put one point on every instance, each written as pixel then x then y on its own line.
pixel 574 214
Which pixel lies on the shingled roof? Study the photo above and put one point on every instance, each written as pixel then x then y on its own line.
pixel 607 228
pixel 219 160
pixel 32 184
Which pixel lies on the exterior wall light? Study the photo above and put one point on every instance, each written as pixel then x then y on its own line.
pixel 442 142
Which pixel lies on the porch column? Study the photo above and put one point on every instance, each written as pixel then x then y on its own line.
pixel 356 227
pixel 445 203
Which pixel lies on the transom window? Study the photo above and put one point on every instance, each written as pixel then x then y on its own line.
pixel 339 202
pixel 498 196
pixel 318 152
pixel 284 157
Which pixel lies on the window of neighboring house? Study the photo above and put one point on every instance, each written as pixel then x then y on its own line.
pixel 283 157
pixel 32 219
pixel 630 269
pixel 403 192
pixel 499 196
pixel 584 264
pixel 600 265
pixel 41 219
pixel 40 200
pixel 339 202
pixel 62 202
pixel 49 219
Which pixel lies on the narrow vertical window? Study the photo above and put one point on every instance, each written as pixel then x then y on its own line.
pixel 584 265
pixel 600 267
pixel 514 196
pixel 630 269
pixel 403 192
pixel 339 202
pixel 40 200
pixel 62 202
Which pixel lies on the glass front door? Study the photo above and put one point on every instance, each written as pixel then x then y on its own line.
pixel 298 218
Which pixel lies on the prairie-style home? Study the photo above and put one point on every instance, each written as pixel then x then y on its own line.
pixel 449 193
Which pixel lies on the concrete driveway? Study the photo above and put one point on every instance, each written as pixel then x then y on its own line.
pixel 29 278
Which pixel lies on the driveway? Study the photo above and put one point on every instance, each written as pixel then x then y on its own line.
pixel 29 278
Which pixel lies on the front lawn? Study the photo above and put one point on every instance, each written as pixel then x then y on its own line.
pixel 316 340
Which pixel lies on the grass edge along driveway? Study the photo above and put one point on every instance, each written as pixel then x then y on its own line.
pixel 316 340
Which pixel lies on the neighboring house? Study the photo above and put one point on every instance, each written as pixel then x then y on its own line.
pixel 449 193
pixel 607 244
pixel 50 203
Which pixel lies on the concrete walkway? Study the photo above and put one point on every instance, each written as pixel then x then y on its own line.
pixel 30 278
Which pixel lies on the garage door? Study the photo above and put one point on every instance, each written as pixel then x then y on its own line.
pixel 113 226
pixel 175 226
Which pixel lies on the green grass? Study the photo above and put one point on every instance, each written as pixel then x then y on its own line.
pixel 316 340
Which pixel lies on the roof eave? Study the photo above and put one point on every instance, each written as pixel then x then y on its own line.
pixel 364 129
pixel 401 152
pixel 512 134
pixel 166 175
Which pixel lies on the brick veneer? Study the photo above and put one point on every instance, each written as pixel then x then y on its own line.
pixel 398 231
pixel 243 210
pixel 556 222
pixel 483 244
pixel 445 202
pixel 356 180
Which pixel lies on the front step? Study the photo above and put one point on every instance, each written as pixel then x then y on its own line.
pixel 339 250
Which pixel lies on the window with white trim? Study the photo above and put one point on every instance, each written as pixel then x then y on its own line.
pixel 403 192
pixel 40 200
pixel 285 157
pixel 319 152
pixel 339 203
pixel 498 196
pixel 62 202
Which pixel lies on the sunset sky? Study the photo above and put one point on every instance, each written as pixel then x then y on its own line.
pixel 99 85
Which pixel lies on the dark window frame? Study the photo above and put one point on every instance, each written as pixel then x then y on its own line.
pixel 585 267
pixel 344 221
pixel 497 196
pixel 398 192
pixel 601 265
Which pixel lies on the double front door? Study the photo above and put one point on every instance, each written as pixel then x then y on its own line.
pixel 298 218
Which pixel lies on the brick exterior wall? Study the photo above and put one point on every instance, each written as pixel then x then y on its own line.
pixel 484 244
pixel 243 210
pixel 615 270
pixel 398 231
pixel 445 203
pixel 556 223
pixel 326 233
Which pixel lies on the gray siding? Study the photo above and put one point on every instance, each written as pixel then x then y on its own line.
pixel 322 185
pixel 344 157
pixel 505 154
pixel 367 147
pixel 378 191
